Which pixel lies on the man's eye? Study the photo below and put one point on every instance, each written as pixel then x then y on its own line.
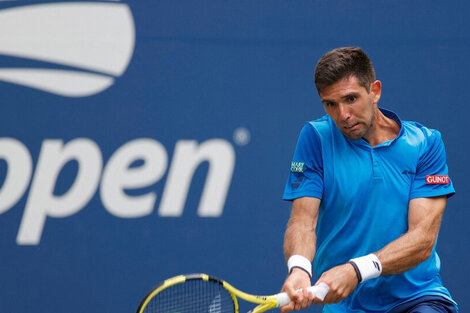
pixel 351 99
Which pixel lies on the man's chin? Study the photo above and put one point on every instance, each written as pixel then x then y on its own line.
pixel 352 135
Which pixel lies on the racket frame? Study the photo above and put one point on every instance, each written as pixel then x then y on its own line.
pixel 264 302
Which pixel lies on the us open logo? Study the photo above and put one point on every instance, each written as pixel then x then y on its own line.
pixel 72 49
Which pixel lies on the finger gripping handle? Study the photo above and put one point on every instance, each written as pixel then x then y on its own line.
pixel 320 291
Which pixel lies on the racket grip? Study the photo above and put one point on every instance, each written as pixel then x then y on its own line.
pixel 282 299
pixel 320 291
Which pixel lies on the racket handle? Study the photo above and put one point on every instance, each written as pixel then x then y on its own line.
pixel 318 292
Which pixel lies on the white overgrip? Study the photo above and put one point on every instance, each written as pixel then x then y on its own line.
pixel 320 291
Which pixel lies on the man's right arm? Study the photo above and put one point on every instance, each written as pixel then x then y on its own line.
pixel 300 239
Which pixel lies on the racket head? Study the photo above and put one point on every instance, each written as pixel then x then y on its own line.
pixel 193 293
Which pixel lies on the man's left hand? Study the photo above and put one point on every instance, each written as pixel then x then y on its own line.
pixel 342 280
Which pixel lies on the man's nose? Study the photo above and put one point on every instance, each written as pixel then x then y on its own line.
pixel 343 112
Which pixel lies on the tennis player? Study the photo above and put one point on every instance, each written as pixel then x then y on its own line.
pixel 368 192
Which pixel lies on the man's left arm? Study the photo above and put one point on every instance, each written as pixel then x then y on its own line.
pixel 416 245
pixel 402 254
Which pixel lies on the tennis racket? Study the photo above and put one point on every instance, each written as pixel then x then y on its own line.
pixel 201 293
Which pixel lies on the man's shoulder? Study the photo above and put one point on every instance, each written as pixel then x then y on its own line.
pixel 418 132
pixel 322 125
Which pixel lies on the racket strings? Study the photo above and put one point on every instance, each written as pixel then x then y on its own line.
pixel 193 296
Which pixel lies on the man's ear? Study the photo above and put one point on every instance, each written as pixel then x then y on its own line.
pixel 376 90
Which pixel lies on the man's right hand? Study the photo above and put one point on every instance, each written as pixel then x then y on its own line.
pixel 297 279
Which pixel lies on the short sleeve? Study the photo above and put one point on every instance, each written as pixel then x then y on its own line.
pixel 306 170
pixel 432 177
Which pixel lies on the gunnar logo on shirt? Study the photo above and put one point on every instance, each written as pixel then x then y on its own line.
pixel 437 179
pixel 72 49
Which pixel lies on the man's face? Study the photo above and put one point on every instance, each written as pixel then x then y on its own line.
pixel 351 107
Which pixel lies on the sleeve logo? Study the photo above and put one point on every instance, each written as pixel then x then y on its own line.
pixel 297 167
pixel 437 179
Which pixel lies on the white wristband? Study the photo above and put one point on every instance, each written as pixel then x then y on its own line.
pixel 300 262
pixel 367 267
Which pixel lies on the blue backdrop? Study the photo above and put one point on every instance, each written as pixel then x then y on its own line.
pixel 110 109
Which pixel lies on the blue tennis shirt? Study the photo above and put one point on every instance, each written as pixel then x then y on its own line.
pixel 365 193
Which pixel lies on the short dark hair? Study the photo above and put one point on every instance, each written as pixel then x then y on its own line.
pixel 342 63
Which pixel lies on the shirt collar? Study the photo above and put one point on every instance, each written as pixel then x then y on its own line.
pixel 389 114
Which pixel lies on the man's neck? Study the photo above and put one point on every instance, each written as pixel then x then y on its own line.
pixel 383 129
